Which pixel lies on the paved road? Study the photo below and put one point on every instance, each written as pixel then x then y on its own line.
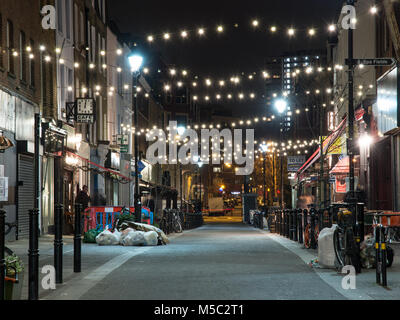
pixel 221 261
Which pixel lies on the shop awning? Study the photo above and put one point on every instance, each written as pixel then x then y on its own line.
pixel 326 144
pixel 100 167
pixel 342 166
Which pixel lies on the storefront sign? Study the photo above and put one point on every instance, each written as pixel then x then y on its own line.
pixel 3 189
pixel 338 147
pixel 294 163
pixel 340 185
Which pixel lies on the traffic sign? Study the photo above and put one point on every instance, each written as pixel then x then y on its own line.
pixel 373 62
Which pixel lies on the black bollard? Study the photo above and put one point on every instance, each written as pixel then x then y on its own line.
pixel 77 238
pixel 377 254
pixel 300 220
pixel 295 225
pixel 290 216
pixel 2 249
pixel 33 253
pixel 58 242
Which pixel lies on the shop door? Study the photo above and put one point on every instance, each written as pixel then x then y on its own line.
pixel 26 190
pixel 68 192
pixel 381 176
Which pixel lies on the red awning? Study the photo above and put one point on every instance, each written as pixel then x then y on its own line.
pixel 342 166
pixel 99 166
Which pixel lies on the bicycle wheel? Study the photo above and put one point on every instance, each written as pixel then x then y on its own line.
pixel 389 257
pixel 178 226
pixel 353 253
pixel 339 246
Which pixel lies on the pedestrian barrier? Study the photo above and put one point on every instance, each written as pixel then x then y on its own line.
pixel 103 217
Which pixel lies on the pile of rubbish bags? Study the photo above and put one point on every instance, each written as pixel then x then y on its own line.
pixel 132 234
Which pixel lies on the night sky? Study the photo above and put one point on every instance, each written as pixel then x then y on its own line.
pixel 236 50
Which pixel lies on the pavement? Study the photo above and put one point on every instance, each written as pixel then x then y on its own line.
pixel 222 260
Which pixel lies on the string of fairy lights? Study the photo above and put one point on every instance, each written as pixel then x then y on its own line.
pixel 208 82
pixel 255 24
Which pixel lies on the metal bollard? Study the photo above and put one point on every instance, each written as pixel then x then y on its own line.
pixel 287 223
pixel 77 238
pixel 33 253
pixel 2 254
pixel 290 213
pixel 305 221
pixel 377 254
pixel 312 229
pixel 295 225
pixel 58 242
pixel 300 221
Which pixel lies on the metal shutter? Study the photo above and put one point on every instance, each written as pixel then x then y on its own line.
pixel 25 193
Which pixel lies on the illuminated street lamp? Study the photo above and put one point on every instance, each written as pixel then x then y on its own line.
pixel 136 61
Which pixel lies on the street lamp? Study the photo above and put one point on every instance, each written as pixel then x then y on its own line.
pixel 281 105
pixel 136 61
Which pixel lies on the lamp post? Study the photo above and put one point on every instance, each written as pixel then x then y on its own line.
pixel 200 164
pixel 281 106
pixel 264 149
pixel 181 132
pixel 136 62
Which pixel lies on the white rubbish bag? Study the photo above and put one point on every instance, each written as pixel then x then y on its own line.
pixel 326 250
pixel 108 238
pixel 133 238
pixel 151 238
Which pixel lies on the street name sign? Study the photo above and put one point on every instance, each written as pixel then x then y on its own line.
pixel 373 62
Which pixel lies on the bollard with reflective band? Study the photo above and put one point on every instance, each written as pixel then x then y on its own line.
pixel 377 255
pixel 2 254
pixel 77 238
pixel 58 242
pixel 33 253
pixel 384 261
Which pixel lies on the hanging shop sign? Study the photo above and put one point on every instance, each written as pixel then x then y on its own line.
pixel 54 139
pixel 294 163
pixel 112 161
pixel 83 110
pixel 123 142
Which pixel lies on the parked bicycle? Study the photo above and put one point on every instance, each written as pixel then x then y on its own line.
pixel 345 244
pixel 176 222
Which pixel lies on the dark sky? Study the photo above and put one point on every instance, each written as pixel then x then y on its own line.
pixel 241 49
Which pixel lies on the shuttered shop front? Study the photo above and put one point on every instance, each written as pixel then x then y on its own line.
pixel 25 193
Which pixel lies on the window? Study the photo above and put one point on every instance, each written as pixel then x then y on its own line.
pixel 82 29
pixel 1 41
pixel 22 56
pixel 32 66
pixel 60 16
pixel 68 19
pixel 10 46
pixel 76 25
pixel 70 83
